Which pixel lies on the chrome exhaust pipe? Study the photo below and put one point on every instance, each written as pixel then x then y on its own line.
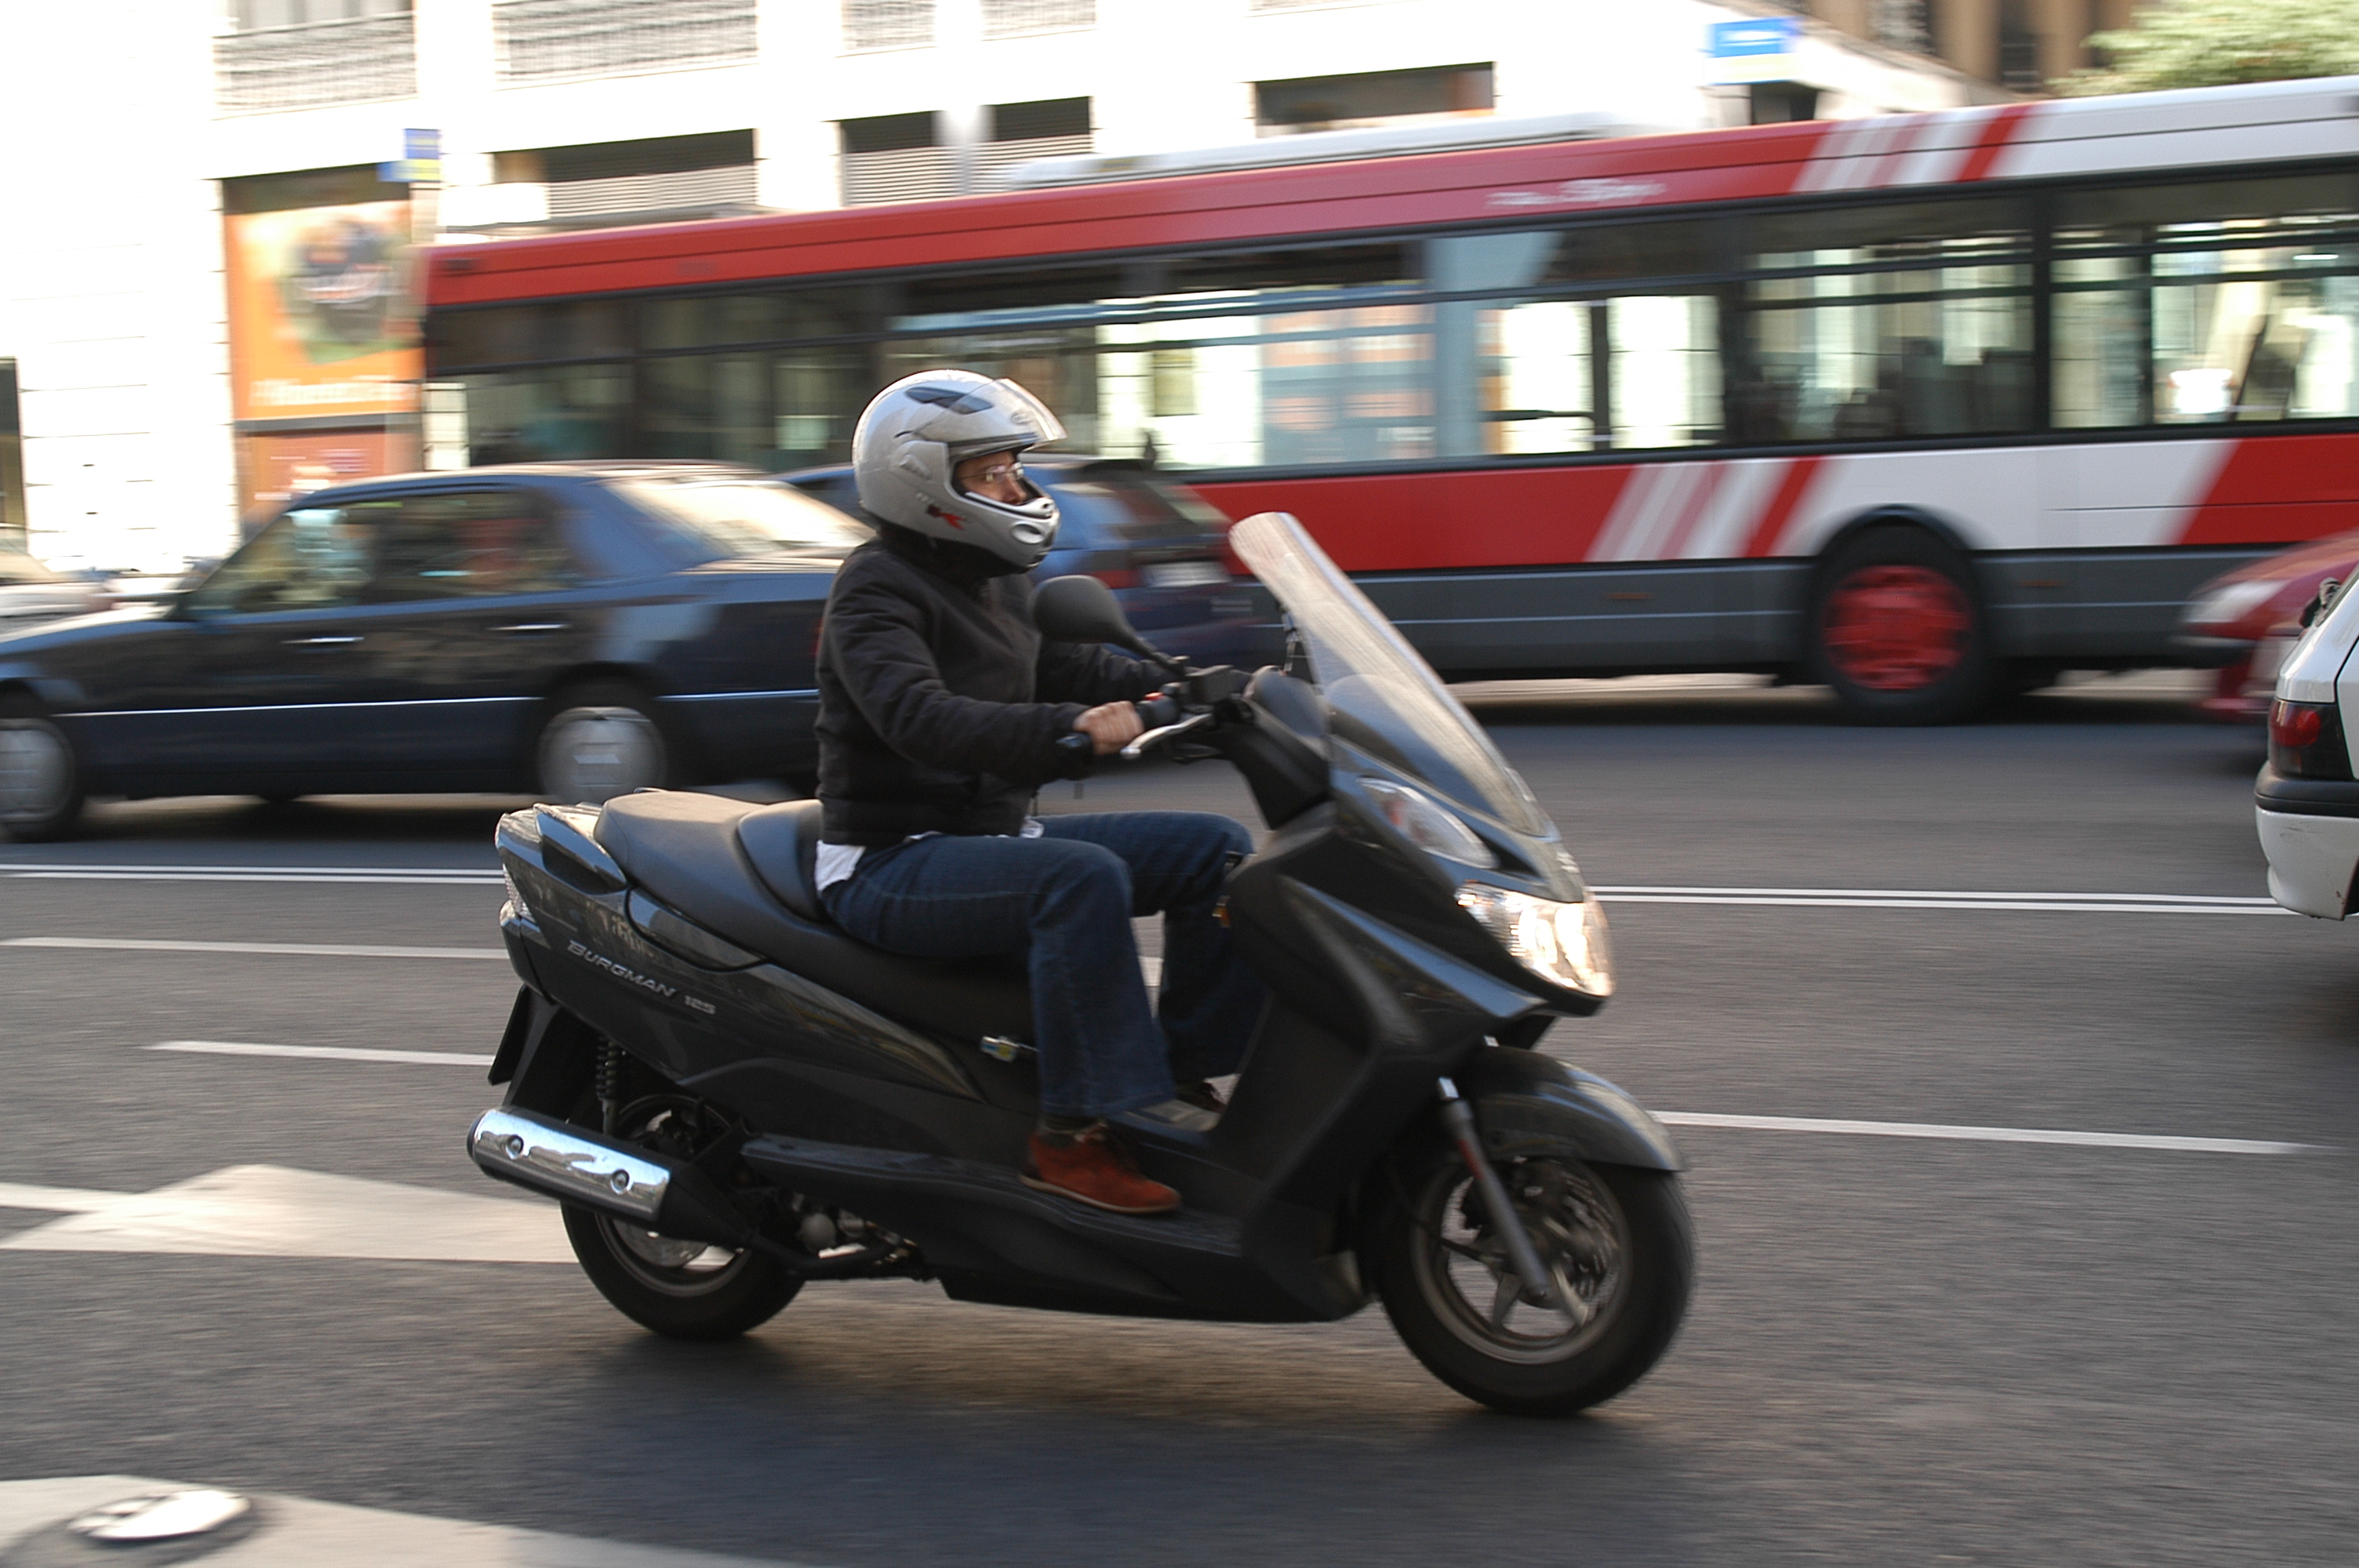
pixel 574 1165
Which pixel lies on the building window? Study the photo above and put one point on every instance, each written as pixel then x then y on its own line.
pixel 540 39
pixel 1054 127
pixel 1780 102
pixel 887 24
pixel 1007 18
pixel 660 177
pixel 300 54
pixel 897 157
pixel 1370 98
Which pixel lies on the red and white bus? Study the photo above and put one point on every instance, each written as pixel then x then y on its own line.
pixel 1925 405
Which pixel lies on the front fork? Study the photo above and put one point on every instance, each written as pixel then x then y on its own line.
pixel 1538 1280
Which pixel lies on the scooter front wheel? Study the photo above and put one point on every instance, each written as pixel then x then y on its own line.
pixel 1616 1241
pixel 681 1288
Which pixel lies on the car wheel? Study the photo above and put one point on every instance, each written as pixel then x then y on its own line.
pixel 41 777
pixel 1897 629
pixel 599 742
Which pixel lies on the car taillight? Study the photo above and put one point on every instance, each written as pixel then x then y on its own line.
pixel 1116 577
pixel 2306 741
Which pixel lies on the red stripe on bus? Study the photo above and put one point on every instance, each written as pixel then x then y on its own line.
pixel 1995 138
pixel 2278 491
pixel 1442 522
pixel 1782 506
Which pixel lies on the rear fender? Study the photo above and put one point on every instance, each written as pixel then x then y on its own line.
pixel 547 1057
pixel 1526 1104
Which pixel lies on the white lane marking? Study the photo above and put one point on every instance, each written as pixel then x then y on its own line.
pixel 298 949
pixel 1903 898
pixel 300 1530
pixel 269 1211
pixel 247 877
pixel 1985 1134
pixel 102 868
pixel 327 1052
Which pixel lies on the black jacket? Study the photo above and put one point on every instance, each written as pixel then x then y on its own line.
pixel 940 703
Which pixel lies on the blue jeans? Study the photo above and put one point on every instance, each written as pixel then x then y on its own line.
pixel 1066 900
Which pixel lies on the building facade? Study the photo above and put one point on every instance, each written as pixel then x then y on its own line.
pixel 204 307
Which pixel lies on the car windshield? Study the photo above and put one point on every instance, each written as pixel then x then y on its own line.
pixel 735 518
pixel 1385 697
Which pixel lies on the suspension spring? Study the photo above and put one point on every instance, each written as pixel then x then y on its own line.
pixel 610 1084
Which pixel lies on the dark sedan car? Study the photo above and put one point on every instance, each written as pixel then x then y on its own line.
pixel 578 629
pixel 1159 545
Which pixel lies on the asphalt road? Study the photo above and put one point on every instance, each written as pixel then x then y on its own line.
pixel 1903 1350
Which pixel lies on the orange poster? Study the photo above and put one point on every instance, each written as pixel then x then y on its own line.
pixel 317 321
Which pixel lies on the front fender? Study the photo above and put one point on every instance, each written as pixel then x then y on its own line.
pixel 1528 1104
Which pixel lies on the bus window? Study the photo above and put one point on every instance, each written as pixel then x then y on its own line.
pixel 1665 359
pixel 1521 376
pixel 1876 323
pixel 1347 385
pixel 537 416
pixel 519 334
pixel 705 405
pixel 775 409
pixel 815 396
pixel 2208 302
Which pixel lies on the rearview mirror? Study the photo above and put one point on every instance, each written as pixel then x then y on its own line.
pixel 1082 610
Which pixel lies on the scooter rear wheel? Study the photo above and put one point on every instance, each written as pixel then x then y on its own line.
pixel 1617 1240
pixel 681 1288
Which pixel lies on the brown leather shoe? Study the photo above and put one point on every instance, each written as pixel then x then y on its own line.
pixel 1095 1170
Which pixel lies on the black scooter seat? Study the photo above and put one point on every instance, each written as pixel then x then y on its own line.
pixel 744 872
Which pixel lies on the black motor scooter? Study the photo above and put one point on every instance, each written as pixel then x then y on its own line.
pixel 732 1098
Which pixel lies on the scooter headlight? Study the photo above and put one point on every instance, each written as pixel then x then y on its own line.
pixel 1565 944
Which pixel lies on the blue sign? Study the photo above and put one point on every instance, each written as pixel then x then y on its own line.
pixel 1765 35
pixel 420 162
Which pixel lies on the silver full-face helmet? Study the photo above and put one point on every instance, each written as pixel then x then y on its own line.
pixel 914 435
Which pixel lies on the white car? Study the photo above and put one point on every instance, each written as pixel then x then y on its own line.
pixel 2307 801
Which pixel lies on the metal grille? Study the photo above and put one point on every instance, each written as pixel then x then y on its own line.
pixel 1004 18
pixel 350 61
pixel 993 159
pixel 543 38
pixel 908 174
pixel 696 187
pixel 887 24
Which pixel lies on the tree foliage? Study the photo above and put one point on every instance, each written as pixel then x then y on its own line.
pixel 2213 43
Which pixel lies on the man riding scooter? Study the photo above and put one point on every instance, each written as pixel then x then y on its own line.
pixel 941 707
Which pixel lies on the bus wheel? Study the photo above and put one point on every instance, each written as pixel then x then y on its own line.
pixel 1896 629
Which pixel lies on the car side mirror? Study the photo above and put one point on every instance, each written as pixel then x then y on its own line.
pixel 1083 610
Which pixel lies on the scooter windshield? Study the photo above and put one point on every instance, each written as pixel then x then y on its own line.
pixel 1385 697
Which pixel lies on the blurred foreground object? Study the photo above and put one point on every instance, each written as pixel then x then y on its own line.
pixel 2244 622
pixel 2306 803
